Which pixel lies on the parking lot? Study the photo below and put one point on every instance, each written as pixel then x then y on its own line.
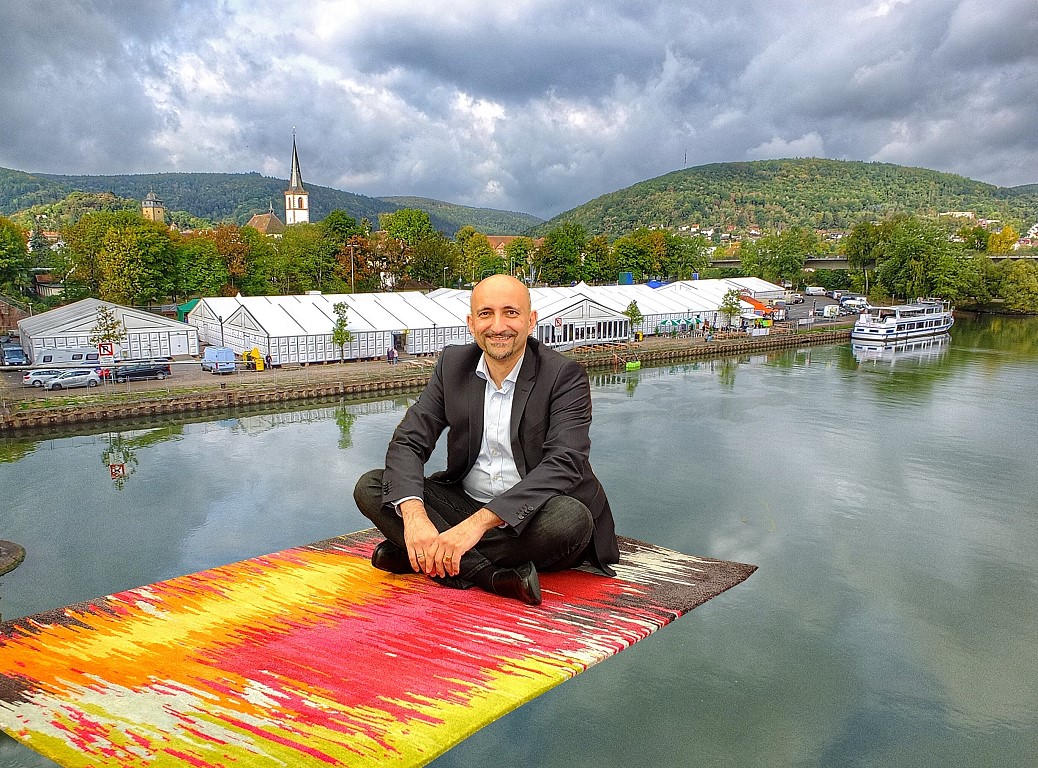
pixel 184 372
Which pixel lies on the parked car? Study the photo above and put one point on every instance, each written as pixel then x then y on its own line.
pixel 143 370
pixel 795 298
pixel 41 376
pixel 76 377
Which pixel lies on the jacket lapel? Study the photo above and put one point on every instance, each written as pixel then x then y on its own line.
pixel 523 388
pixel 477 388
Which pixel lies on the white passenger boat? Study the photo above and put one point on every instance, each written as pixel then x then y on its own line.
pixel 925 317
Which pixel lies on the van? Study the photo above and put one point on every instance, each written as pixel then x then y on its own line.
pixel 13 355
pixel 218 360
pixel 814 290
pixel 829 310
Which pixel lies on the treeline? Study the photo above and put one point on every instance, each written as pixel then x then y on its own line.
pixel 117 255
pixel 778 194
pixel 904 257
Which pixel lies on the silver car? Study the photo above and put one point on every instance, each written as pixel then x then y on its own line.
pixel 40 376
pixel 77 377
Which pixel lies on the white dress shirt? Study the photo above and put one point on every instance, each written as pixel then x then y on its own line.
pixel 494 471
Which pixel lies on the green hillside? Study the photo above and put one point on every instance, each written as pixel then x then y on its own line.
pixel 486 220
pixel 235 197
pixel 215 197
pixel 774 194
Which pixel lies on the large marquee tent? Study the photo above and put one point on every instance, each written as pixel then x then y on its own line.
pixel 148 335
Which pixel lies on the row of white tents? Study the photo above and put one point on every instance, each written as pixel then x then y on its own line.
pixel 298 329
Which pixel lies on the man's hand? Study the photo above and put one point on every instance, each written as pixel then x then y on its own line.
pixel 439 554
pixel 444 555
pixel 419 534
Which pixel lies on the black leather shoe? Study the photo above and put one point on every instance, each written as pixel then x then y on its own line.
pixel 389 557
pixel 517 583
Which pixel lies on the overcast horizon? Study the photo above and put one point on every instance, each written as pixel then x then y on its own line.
pixel 535 107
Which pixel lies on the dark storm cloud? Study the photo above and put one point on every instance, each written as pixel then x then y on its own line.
pixel 528 105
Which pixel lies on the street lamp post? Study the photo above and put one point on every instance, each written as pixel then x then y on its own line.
pixel 220 318
pixel 353 280
pixel 445 277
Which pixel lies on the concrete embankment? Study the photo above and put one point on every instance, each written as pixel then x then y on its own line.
pixel 351 381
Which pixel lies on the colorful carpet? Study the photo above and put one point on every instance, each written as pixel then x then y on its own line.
pixel 310 657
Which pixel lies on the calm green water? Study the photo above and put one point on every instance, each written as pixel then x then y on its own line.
pixel 892 506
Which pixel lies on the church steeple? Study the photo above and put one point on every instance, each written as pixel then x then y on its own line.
pixel 297 200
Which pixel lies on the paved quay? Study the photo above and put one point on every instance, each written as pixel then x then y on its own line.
pixel 191 390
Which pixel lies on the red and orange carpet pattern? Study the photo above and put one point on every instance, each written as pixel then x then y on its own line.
pixel 310 657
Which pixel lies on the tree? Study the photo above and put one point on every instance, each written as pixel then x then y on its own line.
pixel 477 257
pixel 236 255
pixel 519 253
pixel 596 257
pixel 200 270
pixel 1020 286
pixel 779 256
pixel 908 256
pixel 558 259
pixel 408 225
pixel 634 314
pixel 433 257
pixel 731 305
pixel 108 329
pixel 341 335
pixel 14 256
pixel 83 243
pixel 1003 241
pixel 860 247
pixel 39 248
pixel 136 264
pixel 313 256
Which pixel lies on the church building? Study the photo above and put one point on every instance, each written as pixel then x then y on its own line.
pixel 297 200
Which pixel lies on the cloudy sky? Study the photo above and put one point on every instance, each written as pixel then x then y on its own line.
pixel 527 105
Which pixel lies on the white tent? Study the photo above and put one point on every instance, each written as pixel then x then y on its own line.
pixel 148 335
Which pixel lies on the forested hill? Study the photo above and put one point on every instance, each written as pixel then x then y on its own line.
pixel 773 194
pixel 489 221
pixel 235 197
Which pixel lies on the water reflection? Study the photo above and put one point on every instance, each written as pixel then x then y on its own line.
pixel 912 351
pixel 890 507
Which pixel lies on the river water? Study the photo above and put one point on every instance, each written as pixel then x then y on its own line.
pixel 891 504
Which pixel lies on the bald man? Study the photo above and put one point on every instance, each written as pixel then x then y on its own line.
pixel 518 494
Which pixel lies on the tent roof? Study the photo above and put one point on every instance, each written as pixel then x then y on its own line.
pixel 314 313
pixel 81 317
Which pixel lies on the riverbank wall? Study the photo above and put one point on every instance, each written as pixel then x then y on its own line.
pixel 356 381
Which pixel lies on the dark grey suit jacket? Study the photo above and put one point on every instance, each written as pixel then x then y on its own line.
pixel 551 415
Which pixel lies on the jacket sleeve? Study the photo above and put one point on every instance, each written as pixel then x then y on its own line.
pixel 413 442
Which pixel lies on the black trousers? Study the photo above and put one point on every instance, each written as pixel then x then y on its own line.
pixel 555 539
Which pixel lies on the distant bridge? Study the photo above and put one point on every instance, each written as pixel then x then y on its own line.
pixel 840 262
pixel 836 262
